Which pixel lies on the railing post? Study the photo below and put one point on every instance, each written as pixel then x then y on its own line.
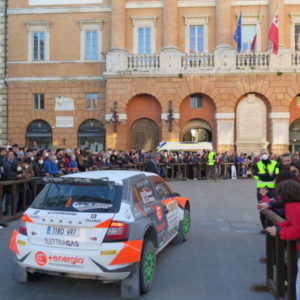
pixel 291 269
pixel 280 267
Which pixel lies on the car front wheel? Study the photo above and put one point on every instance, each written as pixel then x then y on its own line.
pixel 147 266
pixel 184 228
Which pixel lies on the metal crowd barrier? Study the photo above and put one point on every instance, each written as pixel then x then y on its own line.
pixel 184 171
pixel 281 263
pixel 15 196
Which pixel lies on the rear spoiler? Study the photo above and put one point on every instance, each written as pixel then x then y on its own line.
pixel 74 180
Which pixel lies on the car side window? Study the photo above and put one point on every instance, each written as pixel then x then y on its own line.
pixel 162 190
pixel 143 191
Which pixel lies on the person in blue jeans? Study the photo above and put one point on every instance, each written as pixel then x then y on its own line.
pixel 51 166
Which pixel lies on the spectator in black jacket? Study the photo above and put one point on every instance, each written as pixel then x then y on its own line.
pixel 39 167
pixel 151 166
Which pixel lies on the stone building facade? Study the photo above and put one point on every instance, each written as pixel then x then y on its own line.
pixel 3 87
pixel 164 71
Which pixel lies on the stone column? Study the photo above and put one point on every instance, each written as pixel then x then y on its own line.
pixel 225 131
pixel 116 60
pixel 3 88
pixel 223 26
pixel 170 24
pixel 118 25
pixel 280 131
pixel 170 57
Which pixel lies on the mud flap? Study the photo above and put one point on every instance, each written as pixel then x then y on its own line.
pixel 18 273
pixel 130 287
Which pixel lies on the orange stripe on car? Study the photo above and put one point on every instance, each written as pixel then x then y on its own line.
pixel 26 218
pixel 182 201
pixel 131 253
pixel 104 224
pixel 166 202
pixel 13 242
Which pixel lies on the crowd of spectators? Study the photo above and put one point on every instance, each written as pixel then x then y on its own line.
pixel 22 162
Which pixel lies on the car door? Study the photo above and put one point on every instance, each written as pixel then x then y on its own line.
pixel 170 204
pixel 148 204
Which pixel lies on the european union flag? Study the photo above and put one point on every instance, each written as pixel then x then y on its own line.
pixel 238 34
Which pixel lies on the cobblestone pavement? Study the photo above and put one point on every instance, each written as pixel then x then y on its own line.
pixel 219 261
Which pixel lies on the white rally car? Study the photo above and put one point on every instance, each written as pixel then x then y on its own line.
pixel 105 225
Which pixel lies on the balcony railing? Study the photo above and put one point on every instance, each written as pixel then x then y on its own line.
pixel 143 62
pixel 185 63
pixel 295 59
pixel 253 61
pixel 196 62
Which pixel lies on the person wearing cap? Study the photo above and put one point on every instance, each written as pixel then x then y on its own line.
pixel 151 166
pixel 27 170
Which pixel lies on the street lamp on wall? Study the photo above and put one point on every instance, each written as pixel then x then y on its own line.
pixel 170 116
pixel 115 119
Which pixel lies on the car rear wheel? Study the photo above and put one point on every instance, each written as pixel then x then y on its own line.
pixel 147 266
pixel 184 228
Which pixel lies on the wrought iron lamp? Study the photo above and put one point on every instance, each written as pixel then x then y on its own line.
pixel 170 116
pixel 115 119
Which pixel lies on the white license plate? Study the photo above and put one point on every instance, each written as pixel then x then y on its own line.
pixel 61 231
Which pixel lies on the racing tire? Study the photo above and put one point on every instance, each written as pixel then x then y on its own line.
pixel 184 228
pixel 19 274
pixel 147 266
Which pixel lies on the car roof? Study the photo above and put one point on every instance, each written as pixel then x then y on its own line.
pixel 113 175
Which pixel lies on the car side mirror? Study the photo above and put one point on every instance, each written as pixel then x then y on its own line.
pixel 174 194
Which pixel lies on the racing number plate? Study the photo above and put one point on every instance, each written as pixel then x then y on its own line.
pixel 61 231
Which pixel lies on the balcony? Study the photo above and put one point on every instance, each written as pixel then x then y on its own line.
pixel 174 62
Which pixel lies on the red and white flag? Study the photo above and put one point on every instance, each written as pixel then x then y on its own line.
pixel 253 45
pixel 274 32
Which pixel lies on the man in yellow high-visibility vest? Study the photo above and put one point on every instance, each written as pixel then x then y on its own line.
pixel 265 172
pixel 211 165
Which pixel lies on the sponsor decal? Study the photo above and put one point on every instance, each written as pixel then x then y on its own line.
pixel 35 217
pixel 61 243
pixel 36 212
pixel 65 259
pixel 92 220
pixel 93 216
pixel 21 243
pixel 41 258
pixel 159 213
pixel 62 213
pixel 83 206
pixel 108 252
pixel 56 260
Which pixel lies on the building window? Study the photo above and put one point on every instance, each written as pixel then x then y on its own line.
pixel 196 101
pixel 91 40
pixel 91 45
pixel 38 45
pixel 144 35
pixel 144 40
pixel 196 38
pixel 38 41
pixel 248 33
pixel 39 101
pixel 91 101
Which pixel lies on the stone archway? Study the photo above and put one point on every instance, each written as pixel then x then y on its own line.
pixel 144 135
pixel 144 114
pixel 91 133
pixel 197 130
pixel 197 111
pixel 39 134
pixel 251 124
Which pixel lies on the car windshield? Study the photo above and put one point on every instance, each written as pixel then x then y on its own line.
pixel 79 197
